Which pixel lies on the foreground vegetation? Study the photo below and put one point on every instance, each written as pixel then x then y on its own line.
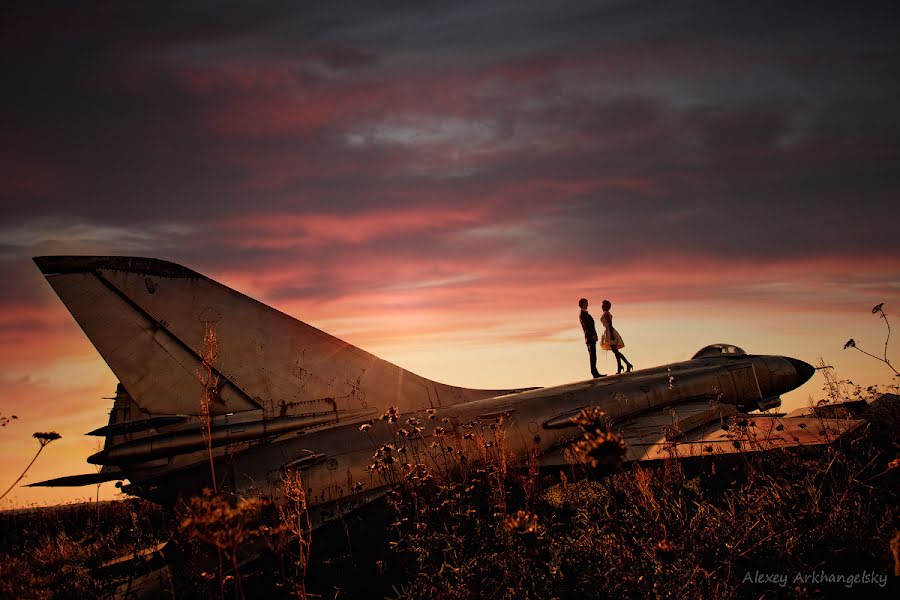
pixel 55 551
pixel 479 526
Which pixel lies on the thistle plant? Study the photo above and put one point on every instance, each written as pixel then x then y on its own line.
pixel 43 439
pixel 599 446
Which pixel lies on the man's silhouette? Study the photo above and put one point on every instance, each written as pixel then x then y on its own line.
pixel 590 335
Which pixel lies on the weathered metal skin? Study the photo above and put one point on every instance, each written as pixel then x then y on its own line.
pixel 185 441
pixel 293 397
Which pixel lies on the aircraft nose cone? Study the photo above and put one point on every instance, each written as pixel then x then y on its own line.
pixel 804 370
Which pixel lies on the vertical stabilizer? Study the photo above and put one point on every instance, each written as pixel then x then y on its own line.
pixel 147 319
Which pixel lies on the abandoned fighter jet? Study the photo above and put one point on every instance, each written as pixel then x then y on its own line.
pixel 289 396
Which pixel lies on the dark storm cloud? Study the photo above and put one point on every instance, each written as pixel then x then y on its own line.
pixel 744 130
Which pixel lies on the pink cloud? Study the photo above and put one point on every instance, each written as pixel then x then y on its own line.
pixel 293 230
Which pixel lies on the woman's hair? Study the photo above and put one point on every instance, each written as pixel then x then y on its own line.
pixel 582 303
pixel 606 305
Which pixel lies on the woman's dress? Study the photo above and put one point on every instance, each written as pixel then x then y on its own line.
pixel 610 337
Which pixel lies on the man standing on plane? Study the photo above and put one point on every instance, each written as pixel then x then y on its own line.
pixel 590 335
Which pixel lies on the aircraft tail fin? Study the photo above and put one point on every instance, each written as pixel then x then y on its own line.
pixel 153 322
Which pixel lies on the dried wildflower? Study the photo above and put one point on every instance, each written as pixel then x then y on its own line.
pixel 46 437
pixel 468 435
pixel 599 446
pixel 602 450
pixel 438 431
pixel 404 432
pixel 445 420
pixel 522 523
pixel 851 343
pixel 894 464
pixel 878 308
pixel 365 427
pixel 592 419
pixel 665 551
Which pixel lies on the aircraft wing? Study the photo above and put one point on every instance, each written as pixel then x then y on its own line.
pixel 744 433
pixel 707 428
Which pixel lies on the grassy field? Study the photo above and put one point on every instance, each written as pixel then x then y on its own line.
pixel 801 523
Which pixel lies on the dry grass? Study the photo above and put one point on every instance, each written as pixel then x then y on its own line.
pixel 54 552
pixel 467 521
pixel 691 529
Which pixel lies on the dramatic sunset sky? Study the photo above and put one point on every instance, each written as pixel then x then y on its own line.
pixel 439 182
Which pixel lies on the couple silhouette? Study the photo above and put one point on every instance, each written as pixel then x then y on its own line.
pixel 611 339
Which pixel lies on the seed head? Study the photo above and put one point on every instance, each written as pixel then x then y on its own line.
pixel 46 437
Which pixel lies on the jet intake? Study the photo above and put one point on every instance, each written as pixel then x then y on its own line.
pixel 182 442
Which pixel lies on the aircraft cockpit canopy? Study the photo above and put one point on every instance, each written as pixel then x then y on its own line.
pixel 715 350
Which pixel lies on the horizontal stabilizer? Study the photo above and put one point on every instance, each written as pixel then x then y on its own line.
pixel 80 480
pixel 138 425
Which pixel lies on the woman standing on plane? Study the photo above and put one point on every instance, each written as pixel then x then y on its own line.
pixel 611 339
